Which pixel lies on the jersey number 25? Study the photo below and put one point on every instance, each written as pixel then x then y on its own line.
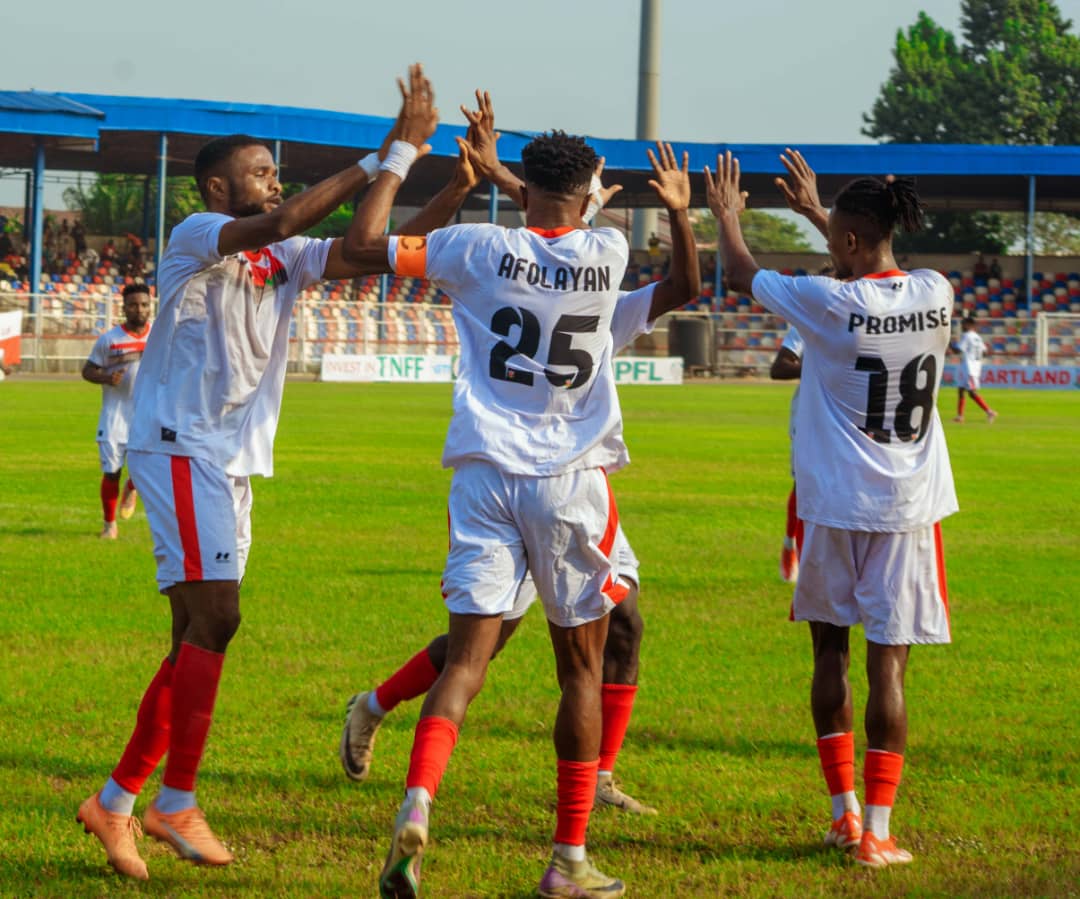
pixel 559 353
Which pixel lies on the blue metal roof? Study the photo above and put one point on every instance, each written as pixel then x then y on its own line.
pixel 318 142
pixel 47 115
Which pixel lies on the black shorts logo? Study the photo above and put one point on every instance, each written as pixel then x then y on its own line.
pixel 168 435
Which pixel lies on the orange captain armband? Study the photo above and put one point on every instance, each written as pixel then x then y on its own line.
pixel 411 257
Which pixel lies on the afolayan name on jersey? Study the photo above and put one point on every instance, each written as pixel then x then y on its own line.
pixel 562 277
pixel 899 324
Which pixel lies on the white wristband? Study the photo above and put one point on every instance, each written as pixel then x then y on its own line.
pixel 596 201
pixel 400 158
pixel 370 165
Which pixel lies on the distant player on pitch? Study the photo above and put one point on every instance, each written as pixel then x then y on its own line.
pixel 872 469
pixel 113 363
pixel 971 349
pixel 206 412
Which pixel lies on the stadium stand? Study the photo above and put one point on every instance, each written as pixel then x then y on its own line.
pixel 80 299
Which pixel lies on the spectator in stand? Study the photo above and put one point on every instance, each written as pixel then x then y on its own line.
pixel 981 270
pixel 78 234
pixel 995 269
pixel 7 248
pixel 654 248
pixel 108 252
pixel 65 243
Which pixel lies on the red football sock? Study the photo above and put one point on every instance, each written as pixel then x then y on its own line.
pixel 617 702
pixel 194 686
pixel 980 402
pixel 150 739
pixel 960 404
pixel 433 743
pixel 576 790
pixel 110 490
pixel 837 754
pixel 881 774
pixel 412 679
pixel 792 516
pixel 799 530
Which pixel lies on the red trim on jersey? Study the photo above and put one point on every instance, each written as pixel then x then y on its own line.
pixel 891 273
pixel 943 589
pixel 551 232
pixel 143 333
pixel 615 591
pixel 184 501
pixel 130 346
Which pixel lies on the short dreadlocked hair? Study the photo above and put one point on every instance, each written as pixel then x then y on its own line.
pixel 559 163
pixel 882 205
pixel 215 154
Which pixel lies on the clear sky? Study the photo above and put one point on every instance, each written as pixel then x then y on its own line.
pixel 757 71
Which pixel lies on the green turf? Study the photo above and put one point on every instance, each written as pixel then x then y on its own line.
pixel 343 586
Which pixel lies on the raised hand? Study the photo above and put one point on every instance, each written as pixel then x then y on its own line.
pixel 605 193
pixel 419 116
pixel 465 176
pixel 483 137
pixel 671 181
pixel 723 192
pixel 802 194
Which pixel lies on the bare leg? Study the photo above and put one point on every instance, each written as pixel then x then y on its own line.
pixel 886 711
pixel 830 692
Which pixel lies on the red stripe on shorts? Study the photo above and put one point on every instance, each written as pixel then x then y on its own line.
pixel 184 501
pixel 943 589
pixel 614 591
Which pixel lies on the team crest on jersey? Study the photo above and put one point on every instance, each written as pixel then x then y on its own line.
pixel 266 269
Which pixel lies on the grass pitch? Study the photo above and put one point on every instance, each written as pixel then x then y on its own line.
pixel 342 587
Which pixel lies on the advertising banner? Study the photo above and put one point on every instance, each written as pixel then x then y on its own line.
pixel 1031 377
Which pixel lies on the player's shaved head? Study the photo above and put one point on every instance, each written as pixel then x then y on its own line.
pixel 559 163
pixel 213 158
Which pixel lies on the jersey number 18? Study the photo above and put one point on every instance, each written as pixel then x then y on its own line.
pixel 912 397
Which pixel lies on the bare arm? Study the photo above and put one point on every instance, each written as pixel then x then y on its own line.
pixel 353 255
pixel 292 217
pixel 95 374
pixel 786 366
pixel 672 185
pixel 727 201
pixel 802 193
pixel 442 207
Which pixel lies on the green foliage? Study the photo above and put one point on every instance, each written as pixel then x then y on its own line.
pixel 343 586
pixel 113 204
pixel 1015 79
pixel 764 232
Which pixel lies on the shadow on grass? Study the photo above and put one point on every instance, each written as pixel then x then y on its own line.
pixel 15 531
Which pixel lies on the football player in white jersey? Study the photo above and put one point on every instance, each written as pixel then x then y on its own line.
pixel 206 408
pixel 787 366
pixel 872 469
pixel 635 314
pixel 971 348
pixel 113 363
pixel 536 424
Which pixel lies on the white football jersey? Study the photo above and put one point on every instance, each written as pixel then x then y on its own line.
pixel 535 392
pixel 118 348
pixel 214 368
pixel 631 316
pixel 872 453
pixel 973 349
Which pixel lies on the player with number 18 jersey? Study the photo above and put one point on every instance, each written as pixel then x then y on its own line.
pixel 872 453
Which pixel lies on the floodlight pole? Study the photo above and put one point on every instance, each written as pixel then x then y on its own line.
pixel 1029 240
pixel 37 231
pixel 159 242
pixel 648 106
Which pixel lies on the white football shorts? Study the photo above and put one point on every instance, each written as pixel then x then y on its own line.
pixel 200 517
pixel 970 381
pixel 893 584
pixel 626 563
pixel 112 455
pixel 561 529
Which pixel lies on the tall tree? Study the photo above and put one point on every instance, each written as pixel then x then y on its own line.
pixel 1014 79
pixel 763 231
